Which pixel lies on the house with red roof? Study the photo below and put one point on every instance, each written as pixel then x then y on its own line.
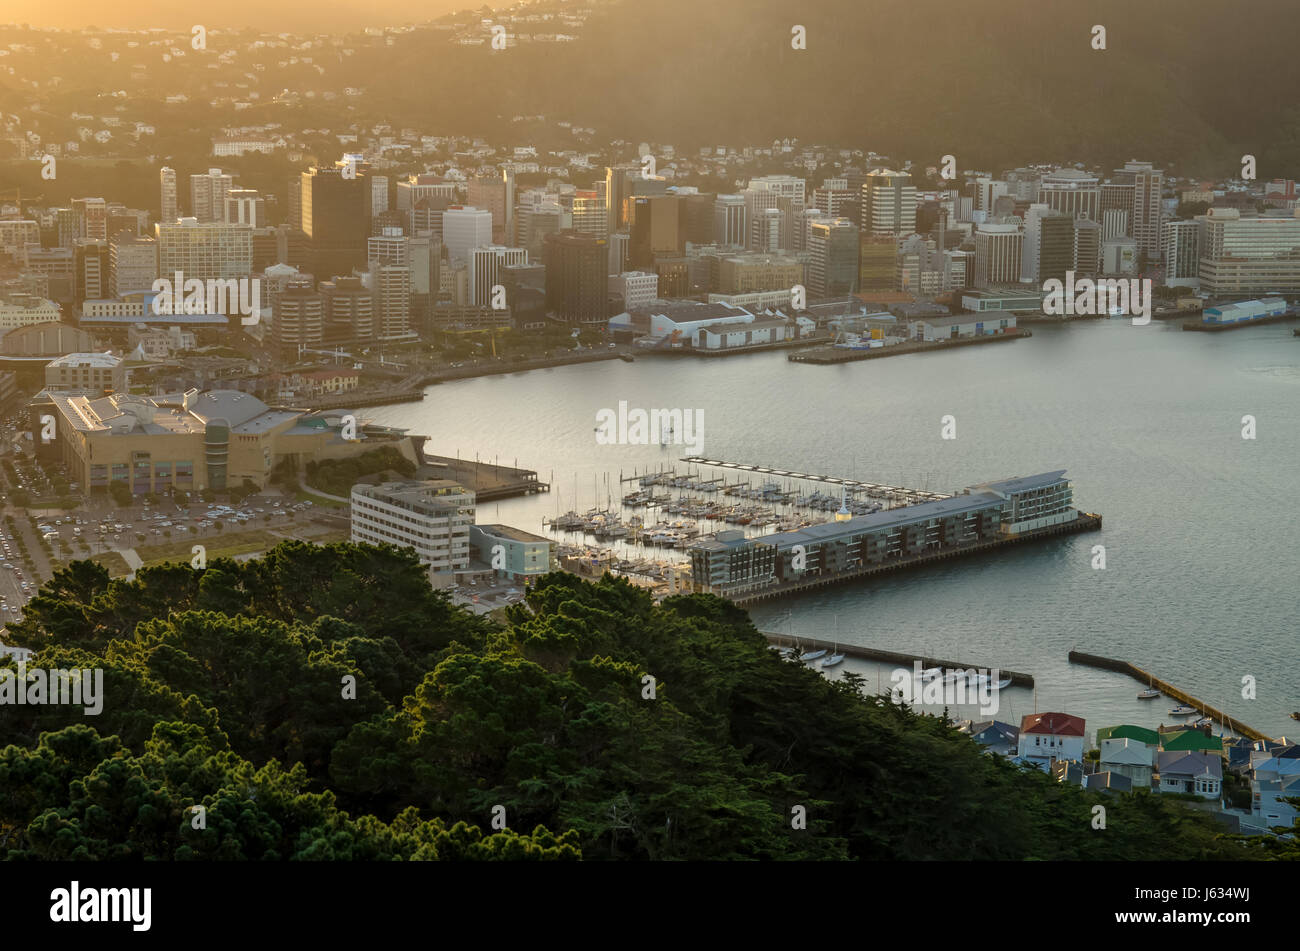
pixel 1048 737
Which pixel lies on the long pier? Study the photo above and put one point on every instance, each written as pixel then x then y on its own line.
pixel 1086 522
pixel 824 355
pixel 873 489
pixel 487 481
pixel 1147 678
pixel 889 657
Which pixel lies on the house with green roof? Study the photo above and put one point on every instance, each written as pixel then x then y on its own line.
pixel 1126 731
pixel 1190 741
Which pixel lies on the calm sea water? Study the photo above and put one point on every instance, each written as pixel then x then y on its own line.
pixel 1201 525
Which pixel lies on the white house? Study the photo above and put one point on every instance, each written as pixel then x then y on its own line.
pixel 1275 776
pixel 1048 737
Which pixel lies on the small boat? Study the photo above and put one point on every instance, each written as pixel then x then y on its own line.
pixel 835 658
pixel 1182 710
pixel 1204 721
pixel 812 655
pixel 1149 694
pixel 1004 683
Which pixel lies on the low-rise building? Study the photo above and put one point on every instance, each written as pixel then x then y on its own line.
pixel 1200 774
pixel 511 552
pixel 86 373
pixel 1128 757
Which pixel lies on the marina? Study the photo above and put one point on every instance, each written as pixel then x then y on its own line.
pixel 898 658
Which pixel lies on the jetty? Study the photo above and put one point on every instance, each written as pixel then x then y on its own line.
pixel 900 658
pixel 487 481
pixel 1146 678
pixel 825 355
pixel 873 489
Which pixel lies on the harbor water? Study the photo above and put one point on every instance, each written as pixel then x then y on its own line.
pixel 1201 556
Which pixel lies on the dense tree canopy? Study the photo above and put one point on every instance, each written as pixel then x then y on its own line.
pixel 326 702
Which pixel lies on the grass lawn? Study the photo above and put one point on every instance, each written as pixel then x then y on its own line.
pixel 305 496
pixel 222 545
pixel 115 563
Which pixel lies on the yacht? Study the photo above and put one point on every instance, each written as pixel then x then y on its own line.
pixel 1182 710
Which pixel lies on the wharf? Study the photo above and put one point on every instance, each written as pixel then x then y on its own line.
pixel 876 489
pixel 827 355
pixel 889 657
pixel 1145 678
pixel 1086 522
pixel 1215 328
pixel 487 481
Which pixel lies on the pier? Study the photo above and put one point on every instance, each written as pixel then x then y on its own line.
pixel 487 481
pixel 1086 522
pixel 874 489
pixel 1146 678
pixel 825 355
pixel 889 657
pixel 1214 328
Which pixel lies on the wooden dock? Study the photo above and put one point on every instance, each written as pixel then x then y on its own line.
pixel 1146 678
pixel 1086 522
pixel 899 658
pixel 487 481
pixel 826 355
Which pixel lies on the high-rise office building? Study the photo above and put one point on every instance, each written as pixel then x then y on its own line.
pixel 888 203
pixel 133 264
pixel 1147 182
pixel 299 319
pixel 658 227
pixel 589 214
pixel 1182 253
pixel 877 262
pixel 390 284
pixel 1248 256
pixel 729 221
pixel 91 270
pixel 1071 192
pixel 378 194
pixel 1087 246
pixel 245 206
pixel 204 250
pixel 94 217
pixel 998 249
pixel 1034 215
pixel 208 195
pixel 489 194
pixel 833 265
pixel 1056 248
pixel 619 181
pixel 167 195
pixel 349 311
pixel 485 268
pixel 576 279
pixel 465 227
pixel 336 217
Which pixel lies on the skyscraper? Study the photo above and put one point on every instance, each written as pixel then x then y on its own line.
pixel 167 195
pixel 658 226
pixel 729 222
pixel 576 281
pixel 888 203
pixel 335 218
pixel 1147 207
pixel 208 195
pixel 485 270
pixel 833 265
pixel 997 254
pixel 299 319
pixel 1071 192
pixel 390 284
pixel 204 250
pixel 465 227
pixel 489 194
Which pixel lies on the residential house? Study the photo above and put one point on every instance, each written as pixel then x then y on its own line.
pixel 1128 757
pixel 1274 777
pixel 1198 773
pixel 1048 737
pixel 994 735
pixel 1126 731
pixel 1109 782
pixel 1186 741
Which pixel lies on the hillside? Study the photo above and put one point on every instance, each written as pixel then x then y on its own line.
pixel 222 689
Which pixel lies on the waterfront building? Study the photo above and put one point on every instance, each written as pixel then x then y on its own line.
pixel 980 513
pixel 433 517
pixel 1049 737
pixel 521 555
